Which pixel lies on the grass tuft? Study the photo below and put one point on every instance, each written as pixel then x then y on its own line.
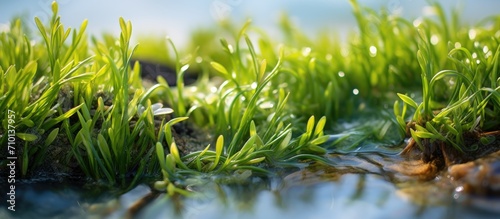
pixel 268 102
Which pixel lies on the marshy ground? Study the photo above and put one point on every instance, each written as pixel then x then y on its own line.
pixel 400 118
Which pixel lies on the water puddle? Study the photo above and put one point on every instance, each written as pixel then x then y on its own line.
pixel 357 185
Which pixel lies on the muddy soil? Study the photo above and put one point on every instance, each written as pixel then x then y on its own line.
pixel 442 155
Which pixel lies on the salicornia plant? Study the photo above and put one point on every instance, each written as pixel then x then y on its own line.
pixel 244 140
pixel 263 101
pixel 460 90
pixel 83 100
pixel 34 80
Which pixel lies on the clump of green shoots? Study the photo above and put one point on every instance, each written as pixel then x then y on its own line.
pixel 33 86
pixel 244 141
pixel 334 80
pixel 83 99
pixel 460 90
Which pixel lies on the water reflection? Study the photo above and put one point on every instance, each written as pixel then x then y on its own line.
pixel 56 199
pixel 357 186
pixel 349 196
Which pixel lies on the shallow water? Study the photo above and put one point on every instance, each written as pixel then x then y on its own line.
pixel 357 186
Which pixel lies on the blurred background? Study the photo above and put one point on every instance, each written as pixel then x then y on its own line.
pixel 178 19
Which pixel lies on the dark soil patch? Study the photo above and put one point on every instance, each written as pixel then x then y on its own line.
pixel 61 165
pixel 441 155
pixel 59 162
pixel 189 138
pixel 150 71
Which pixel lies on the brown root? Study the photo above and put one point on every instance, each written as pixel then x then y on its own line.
pixel 440 155
pixel 416 168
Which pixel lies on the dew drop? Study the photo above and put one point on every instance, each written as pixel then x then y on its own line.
pixel 328 57
pixel 253 85
pixel 417 22
pixel 434 39
pixel 373 51
pixel 472 34
pixel 488 54
pixel 344 52
pixel 485 49
pixel 306 51
pixel 213 89
pixel 267 105
pixel 355 91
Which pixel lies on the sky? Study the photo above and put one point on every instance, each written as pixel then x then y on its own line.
pixel 178 19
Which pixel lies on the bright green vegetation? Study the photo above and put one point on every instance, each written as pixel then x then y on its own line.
pixel 271 105
pixel 78 96
pixel 460 83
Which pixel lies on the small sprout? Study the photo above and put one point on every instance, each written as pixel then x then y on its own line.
pixel 310 125
pixel 242 175
pixel 174 151
pixel 256 160
pixel 317 149
pixel 320 126
pixel 26 136
pixel 51 137
pixel 486 140
pixel 170 189
pixel 220 68
pixel 218 151
pixel 170 163
pixel 160 185
pixel 320 140
pixel 408 100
